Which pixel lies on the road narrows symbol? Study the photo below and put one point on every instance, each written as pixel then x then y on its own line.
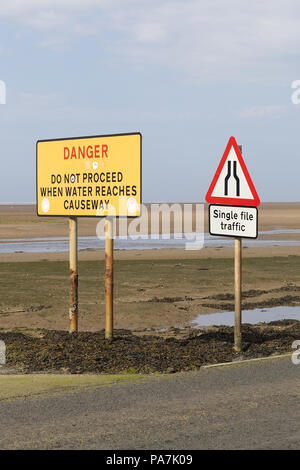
pixel 227 177
pixel 232 183
pixel 237 180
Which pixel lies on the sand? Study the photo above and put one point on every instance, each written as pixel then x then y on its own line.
pixel 22 222
pixel 151 286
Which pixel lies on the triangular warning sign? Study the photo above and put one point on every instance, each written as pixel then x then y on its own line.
pixel 232 183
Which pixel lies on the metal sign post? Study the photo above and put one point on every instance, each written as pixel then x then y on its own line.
pixel 233 213
pixel 90 176
pixel 109 251
pixel 73 310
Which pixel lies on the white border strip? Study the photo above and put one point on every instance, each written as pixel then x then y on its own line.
pixel 243 361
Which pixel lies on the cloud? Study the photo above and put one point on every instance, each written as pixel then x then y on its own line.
pixel 30 107
pixel 18 8
pixel 205 39
pixel 59 23
pixel 262 112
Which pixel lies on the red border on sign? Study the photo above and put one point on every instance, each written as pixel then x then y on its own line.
pixel 228 200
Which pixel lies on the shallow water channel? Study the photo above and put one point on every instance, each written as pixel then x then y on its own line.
pixel 180 240
pixel 249 316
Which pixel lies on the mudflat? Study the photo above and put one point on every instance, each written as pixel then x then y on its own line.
pixel 152 288
pixel 21 221
pixel 148 293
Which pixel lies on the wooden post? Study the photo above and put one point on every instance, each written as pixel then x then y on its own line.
pixel 73 305
pixel 109 250
pixel 238 294
pixel 238 291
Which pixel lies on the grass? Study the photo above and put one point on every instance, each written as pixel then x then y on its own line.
pixel 20 386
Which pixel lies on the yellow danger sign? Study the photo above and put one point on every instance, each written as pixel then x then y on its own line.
pixel 89 176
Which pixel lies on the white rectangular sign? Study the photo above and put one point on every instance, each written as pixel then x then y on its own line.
pixel 233 221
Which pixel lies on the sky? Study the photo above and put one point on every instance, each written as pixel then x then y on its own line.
pixel 187 74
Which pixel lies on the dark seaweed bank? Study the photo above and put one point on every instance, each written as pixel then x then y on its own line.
pixel 171 351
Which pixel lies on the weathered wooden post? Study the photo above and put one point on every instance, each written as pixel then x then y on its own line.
pixel 109 251
pixel 238 290
pixel 238 294
pixel 73 309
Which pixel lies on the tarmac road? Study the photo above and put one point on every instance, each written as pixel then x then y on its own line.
pixel 254 405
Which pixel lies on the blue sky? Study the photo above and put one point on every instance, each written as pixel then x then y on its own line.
pixel 187 74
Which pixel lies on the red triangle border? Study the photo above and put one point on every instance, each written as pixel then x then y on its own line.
pixel 227 200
